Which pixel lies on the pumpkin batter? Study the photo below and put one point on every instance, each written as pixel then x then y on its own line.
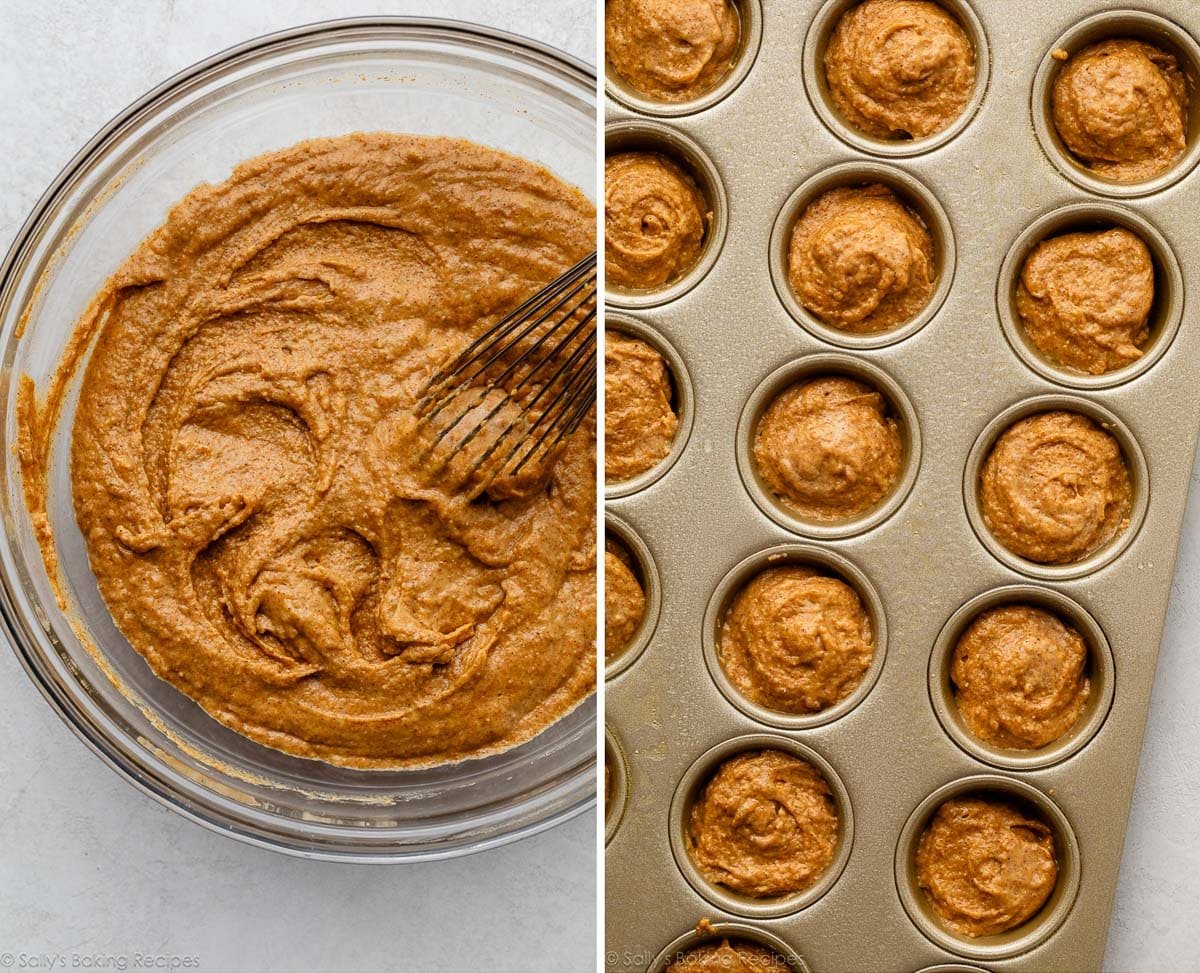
pixel 795 640
pixel 1020 677
pixel 655 220
pixel 248 475
pixel 861 260
pixel 1055 488
pixel 765 825
pixel 899 69
pixel 828 448
pixel 986 865
pixel 624 599
pixel 671 50
pixel 1085 299
pixel 1121 108
pixel 639 420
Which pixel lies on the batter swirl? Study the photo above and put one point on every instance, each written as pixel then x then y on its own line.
pixel 985 865
pixel 671 50
pixel 765 825
pixel 796 641
pixel 639 419
pixel 1085 299
pixel 861 260
pixel 248 475
pixel 729 956
pixel 1020 677
pixel 829 448
pixel 1121 107
pixel 1055 488
pixel 655 220
pixel 899 69
pixel 624 599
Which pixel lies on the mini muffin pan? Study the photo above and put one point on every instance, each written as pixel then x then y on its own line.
pixel 925 565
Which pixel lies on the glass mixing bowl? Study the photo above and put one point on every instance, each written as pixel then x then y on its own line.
pixel 332 78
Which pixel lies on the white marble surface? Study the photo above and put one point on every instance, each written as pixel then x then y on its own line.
pixel 89 868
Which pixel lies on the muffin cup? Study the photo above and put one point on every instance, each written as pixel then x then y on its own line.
pixel 1030 933
pixel 739 931
pixel 693 782
pixel 817 88
pixel 1165 314
pixel 1100 666
pixel 647 573
pixel 750 15
pixel 1135 461
pixel 614 758
pixel 632 135
pixel 805 555
pixel 814 366
pixel 1135 25
pixel 684 403
pixel 914 194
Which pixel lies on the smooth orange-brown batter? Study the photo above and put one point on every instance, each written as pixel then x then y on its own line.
pixel 861 260
pixel 655 220
pixel 899 69
pixel 1121 108
pixel 1020 677
pixel 829 448
pixel 639 416
pixel 1085 299
pixel 986 865
pixel 671 50
pixel 1055 488
pixel 795 640
pixel 765 825
pixel 624 599
pixel 249 477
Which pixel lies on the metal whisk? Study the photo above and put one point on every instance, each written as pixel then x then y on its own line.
pixel 522 387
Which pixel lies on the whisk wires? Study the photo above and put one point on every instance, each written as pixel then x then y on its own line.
pixel 523 386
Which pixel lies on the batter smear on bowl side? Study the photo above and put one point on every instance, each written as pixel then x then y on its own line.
pixel 248 474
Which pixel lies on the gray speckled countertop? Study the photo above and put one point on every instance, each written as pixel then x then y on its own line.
pixel 91 871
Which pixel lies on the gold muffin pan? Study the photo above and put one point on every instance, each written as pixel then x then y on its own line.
pixel 989 188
